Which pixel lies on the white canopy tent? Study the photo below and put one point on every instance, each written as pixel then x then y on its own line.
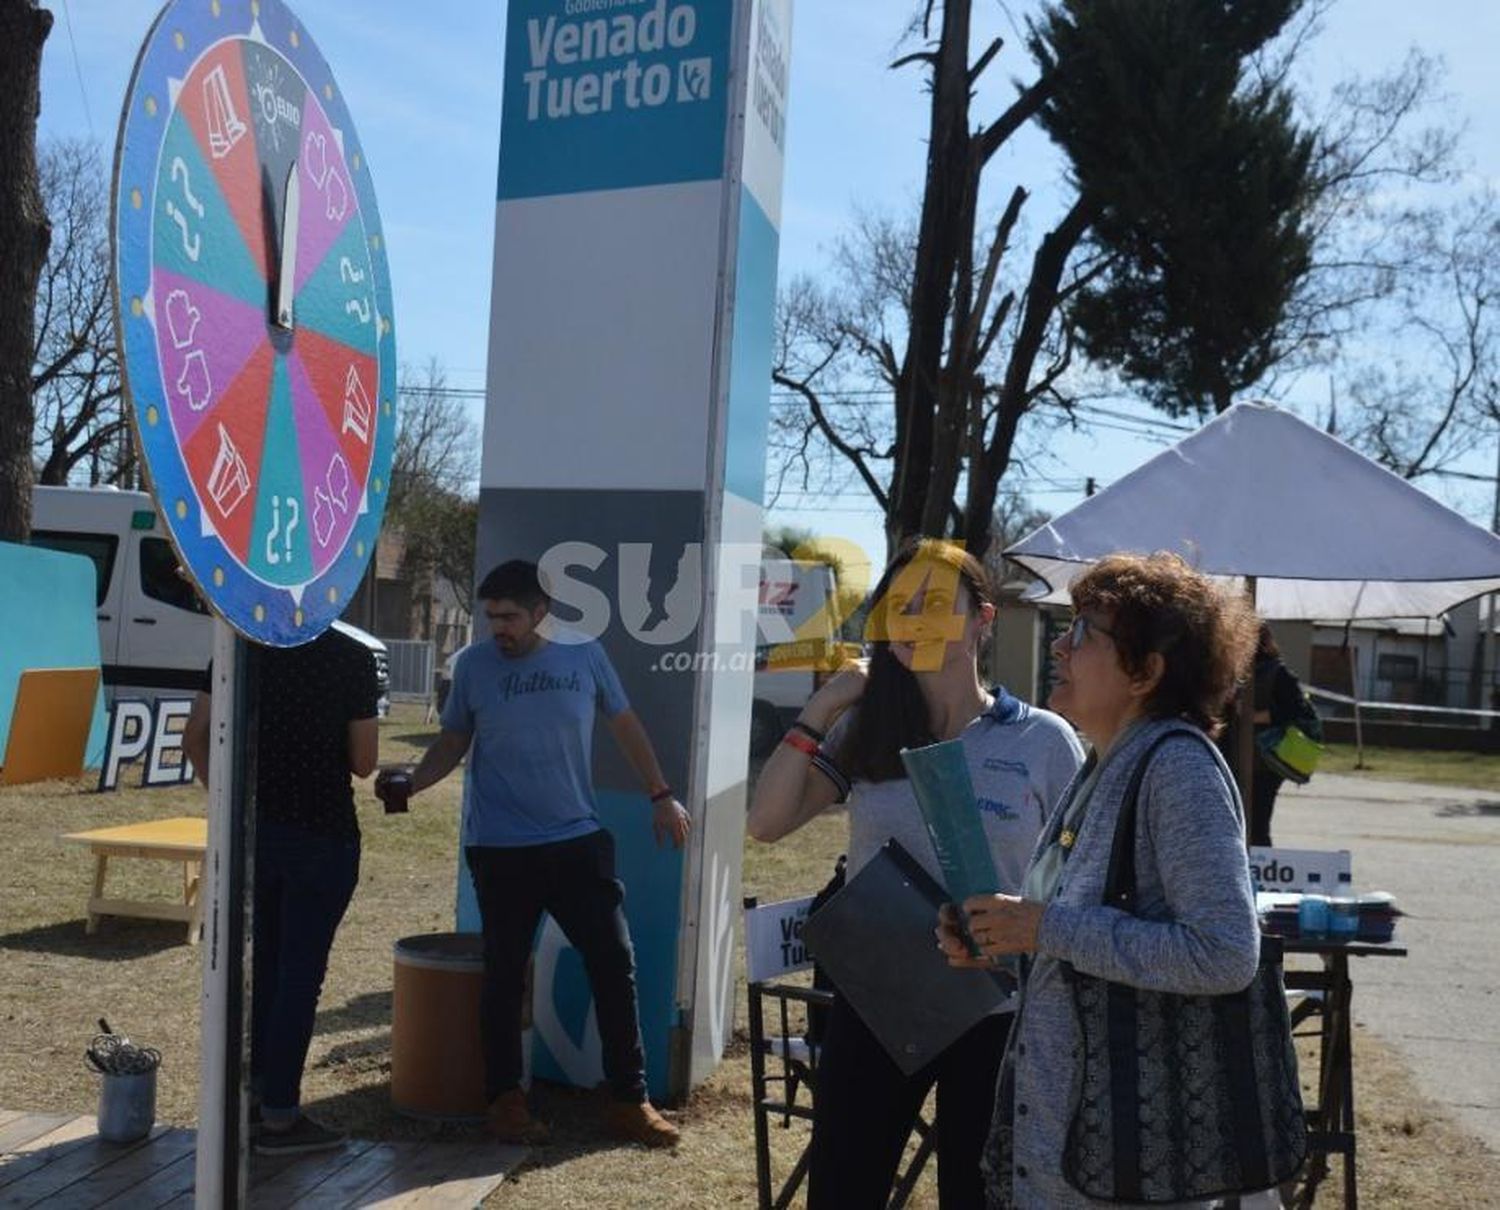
pixel 1258 492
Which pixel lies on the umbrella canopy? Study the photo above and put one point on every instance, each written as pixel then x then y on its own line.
pixel 1259 492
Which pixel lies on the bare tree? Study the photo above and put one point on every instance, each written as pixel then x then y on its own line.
pixel 435 443
pixel 80 418
pixel 1429 391
pixel 966 343
pixel 433 473
pixel 1015 517
pixel 23 249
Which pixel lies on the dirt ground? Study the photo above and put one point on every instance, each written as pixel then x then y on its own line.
pixel 55 982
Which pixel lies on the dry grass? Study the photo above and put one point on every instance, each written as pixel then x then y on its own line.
pixel 55 981
pixel 1477 770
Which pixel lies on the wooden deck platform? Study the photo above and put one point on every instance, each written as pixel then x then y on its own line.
pixel 58 1161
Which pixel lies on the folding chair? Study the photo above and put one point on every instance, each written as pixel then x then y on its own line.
pixel 773 951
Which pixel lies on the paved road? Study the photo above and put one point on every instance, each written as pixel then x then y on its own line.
pixel 1437 849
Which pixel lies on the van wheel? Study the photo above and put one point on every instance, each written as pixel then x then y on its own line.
pixel 765 729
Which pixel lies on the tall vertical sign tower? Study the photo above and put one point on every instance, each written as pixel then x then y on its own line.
pixel 636 237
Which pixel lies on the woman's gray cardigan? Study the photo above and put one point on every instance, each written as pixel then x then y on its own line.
pixel 1195 931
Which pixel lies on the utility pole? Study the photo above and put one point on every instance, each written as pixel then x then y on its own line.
pixel 1487 648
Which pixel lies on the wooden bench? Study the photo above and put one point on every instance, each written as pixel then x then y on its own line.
pixel 182 840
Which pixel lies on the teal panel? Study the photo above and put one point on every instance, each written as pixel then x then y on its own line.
pixel 613 97
pixel 750 352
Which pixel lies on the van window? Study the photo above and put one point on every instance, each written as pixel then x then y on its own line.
pixel 98 547
pixel 159 578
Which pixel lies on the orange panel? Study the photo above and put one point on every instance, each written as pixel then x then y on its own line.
pixel 49 729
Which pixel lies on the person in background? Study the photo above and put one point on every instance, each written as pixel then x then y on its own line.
pixel 1154 647
pixel 316 729
pixel 1278 700
pixel 932 610
pixel 533 841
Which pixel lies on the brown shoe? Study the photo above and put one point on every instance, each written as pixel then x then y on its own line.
pixel 639 1123
pixel 510 1121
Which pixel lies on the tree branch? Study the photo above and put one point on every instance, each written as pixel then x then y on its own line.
pixel 820 417
pixel 983 61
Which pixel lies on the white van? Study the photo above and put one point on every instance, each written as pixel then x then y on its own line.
pixel 797 645
pixel 155 635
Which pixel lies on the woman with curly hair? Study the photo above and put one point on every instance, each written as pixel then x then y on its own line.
pixel 1151 656
pixel 922 684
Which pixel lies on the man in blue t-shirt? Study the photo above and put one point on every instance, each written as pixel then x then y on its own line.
pixel 533 842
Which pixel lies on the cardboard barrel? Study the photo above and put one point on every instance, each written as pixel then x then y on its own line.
pixel 437 1064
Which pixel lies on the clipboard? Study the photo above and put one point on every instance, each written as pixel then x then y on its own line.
pixel 875 940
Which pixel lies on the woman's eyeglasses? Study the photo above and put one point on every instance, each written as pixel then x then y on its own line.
pixel 1079 630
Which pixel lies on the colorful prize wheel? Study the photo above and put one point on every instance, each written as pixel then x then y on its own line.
pixel 253 303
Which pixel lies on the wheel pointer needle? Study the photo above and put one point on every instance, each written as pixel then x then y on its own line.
pixel 287 272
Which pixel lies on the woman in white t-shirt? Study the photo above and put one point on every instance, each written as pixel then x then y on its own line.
pixel 921 684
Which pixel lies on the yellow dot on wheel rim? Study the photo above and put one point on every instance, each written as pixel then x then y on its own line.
pixel 215 8
pixel 178 40
pixel 359 549
pixel 151 416
pixel 151 107
pixel 375 242
pixel 135 199
pixel 254 8
pixel 328 92
pixel 333 596
pixel 137 307
pixel 181 509
pixel 294 39
pixel 356 161
pixel 218 577
pixel 260 613
pixel 297 617
pixel 387 407
pixel 379 487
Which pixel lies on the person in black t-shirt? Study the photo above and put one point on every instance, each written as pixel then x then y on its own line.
pixel 316 727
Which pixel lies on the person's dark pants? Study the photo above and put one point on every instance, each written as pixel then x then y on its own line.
pixel 574 882
pixel 1264 787
pixel 863 1109
pixel 303 884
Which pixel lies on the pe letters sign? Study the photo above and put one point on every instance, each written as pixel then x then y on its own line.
pixel 151 733
pixel 1324 871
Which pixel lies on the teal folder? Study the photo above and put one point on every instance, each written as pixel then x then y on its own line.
pixel 939 776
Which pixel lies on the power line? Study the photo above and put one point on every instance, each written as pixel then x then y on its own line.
pixel 83 92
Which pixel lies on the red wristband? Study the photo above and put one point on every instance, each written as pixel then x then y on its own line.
pixel 803 743
pixel 661 795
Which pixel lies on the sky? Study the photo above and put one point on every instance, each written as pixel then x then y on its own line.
pixel 423 83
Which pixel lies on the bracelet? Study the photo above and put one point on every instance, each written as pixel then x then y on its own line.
pixel 803 743
pixel 812 733
pixel 834 774
pixel 664 793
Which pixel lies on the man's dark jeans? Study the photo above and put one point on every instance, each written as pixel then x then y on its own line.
pixel 303 884
pixel 574 882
